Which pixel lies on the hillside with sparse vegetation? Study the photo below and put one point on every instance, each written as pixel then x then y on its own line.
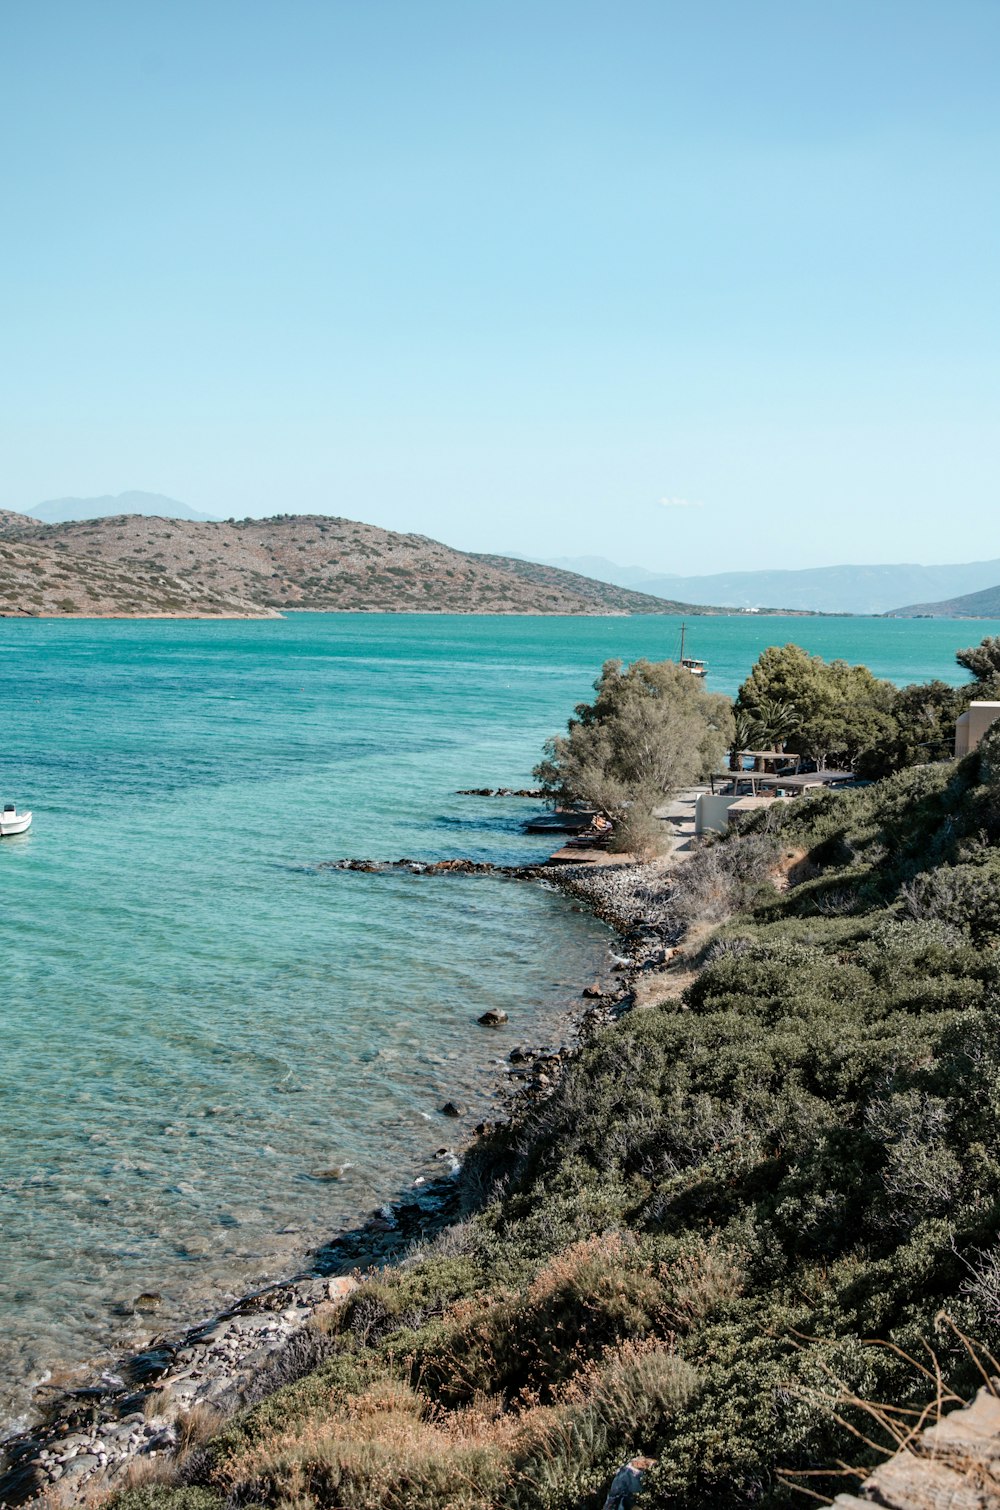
pixel 309 562
pixel 38 580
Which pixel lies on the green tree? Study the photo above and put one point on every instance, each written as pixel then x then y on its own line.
pixel 983 660
pixel 651 729
pixel 835 711
pixel 746 732
pixel 776 722
pixel 922 729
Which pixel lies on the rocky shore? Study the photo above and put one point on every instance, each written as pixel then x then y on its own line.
pixel 138 1411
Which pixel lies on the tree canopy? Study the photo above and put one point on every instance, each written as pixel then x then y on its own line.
pixel 832 711
pixel 651 729
pixel 825 710
pixel 983 660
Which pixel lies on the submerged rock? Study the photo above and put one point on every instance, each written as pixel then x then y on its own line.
pixel 501 791
pixel 495 1017
pixel 456 867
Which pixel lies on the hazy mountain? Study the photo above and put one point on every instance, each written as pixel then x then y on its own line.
pixel 822 589
pixel 973 605
pixel 604 596
pixel 292 561
pixel 60 510
pixel 601 568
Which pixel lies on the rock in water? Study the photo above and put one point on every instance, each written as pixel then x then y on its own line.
pixel 593 991
pixel 494 1018
pixel 453 1109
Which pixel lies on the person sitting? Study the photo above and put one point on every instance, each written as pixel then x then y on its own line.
pixel 600 829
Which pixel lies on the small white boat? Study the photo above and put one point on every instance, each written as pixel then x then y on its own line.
pixel 13 822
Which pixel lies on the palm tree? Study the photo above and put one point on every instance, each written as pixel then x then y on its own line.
pixel 776 722
pixel 745 734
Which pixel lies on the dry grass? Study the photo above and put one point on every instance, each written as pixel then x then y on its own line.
pixel 528 1396
pixel 196 1426
pixel 794 868
pixel 389 1448
pixel 379 1448
pixel 700 1282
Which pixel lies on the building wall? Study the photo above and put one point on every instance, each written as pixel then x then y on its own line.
pixel 712 814
pixel 970 728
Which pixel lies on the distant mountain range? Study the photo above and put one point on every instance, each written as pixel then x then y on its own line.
pixel 60 510
pixel 819 589
pixel 136 565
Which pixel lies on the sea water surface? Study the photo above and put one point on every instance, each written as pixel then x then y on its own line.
pixel 196 1018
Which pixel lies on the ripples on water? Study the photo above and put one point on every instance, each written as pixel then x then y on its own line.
pixel 195 1019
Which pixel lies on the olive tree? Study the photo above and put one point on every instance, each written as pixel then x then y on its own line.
pixel 651 729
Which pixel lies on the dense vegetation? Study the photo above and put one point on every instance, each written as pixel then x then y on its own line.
pixel 832 712
pixel 688 1249
pixel 653 728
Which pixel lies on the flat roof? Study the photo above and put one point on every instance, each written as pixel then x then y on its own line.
pixel 816 778
pixel 771 754
pixel 775 779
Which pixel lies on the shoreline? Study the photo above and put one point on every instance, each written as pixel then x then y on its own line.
pixel 89 1435
pixel 269 613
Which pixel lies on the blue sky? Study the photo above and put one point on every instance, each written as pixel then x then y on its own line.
pixel 511 274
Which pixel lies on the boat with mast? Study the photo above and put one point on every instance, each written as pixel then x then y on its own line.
pixel 696 668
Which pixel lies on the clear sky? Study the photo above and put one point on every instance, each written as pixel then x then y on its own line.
pixel 510 274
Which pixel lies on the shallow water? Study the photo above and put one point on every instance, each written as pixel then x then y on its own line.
pixel 195 1019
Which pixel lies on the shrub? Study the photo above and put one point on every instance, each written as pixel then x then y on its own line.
pixel 651 729
pixel 723 878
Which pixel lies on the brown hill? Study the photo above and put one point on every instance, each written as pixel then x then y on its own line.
pixel 316 562
pixel 39 581
pixel 11 521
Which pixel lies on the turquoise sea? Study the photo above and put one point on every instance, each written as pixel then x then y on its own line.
pixel 194 1017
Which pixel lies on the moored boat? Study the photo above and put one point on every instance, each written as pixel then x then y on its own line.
pixel 13 822
pixel 696 668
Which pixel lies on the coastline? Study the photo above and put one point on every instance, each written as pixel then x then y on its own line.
pixel 89 1435
pixel 270 612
